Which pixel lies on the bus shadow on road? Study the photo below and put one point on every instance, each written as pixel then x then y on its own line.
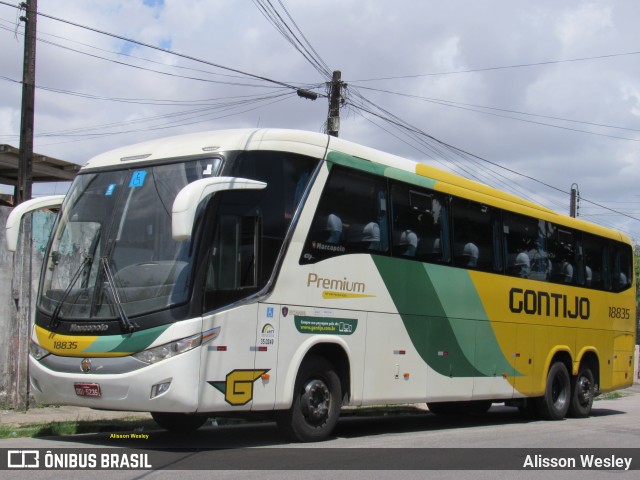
pixel 352 425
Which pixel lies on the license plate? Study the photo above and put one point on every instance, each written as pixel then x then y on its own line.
pixel 87 390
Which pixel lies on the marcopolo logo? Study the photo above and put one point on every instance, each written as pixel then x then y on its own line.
pixel 76 328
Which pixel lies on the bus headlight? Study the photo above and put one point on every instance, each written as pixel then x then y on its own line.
pixel 37 351
pixel 168 350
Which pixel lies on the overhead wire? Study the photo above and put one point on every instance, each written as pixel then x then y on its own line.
pixel 392 119
pixel 171 125
pixel 463 106
pixel 436 146
pixel 384 115
pixel 187 114
pixel 158 48
pixel 119 53
pixel 304 48
pixel 503 67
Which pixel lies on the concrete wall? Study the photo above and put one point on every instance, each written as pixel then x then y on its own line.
pixel 19 276
pixel 7 306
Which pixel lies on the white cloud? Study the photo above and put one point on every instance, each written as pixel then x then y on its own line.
pixel 364 40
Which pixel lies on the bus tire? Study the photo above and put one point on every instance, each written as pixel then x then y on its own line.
pixel 554 404
pixel 317 400
pixel 582 393
pixel 178 422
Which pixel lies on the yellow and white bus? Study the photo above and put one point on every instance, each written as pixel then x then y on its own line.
pixel 293 273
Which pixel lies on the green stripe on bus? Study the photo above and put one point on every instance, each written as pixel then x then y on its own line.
pixel 355 162
pixel 378 169
pixel 444 318
pixel 135 342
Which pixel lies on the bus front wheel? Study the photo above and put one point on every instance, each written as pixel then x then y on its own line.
pixel 178 422
pixel 554 404
pixel 316 402
pixel 582 393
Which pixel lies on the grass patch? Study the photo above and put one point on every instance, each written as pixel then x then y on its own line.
pixel 611 396
pixel 75 428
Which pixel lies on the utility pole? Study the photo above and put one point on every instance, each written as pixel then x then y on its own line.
pixel 25 165
pixel 335 98
pixel 573 203
pixel 22 282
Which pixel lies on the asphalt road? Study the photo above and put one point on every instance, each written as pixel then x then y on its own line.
pixel 409 446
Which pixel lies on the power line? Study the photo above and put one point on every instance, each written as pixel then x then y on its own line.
pixel 485 69
pixel 432 145
pixel 168 125
pixel 405 125
pixel 121 54
pixel 305 48
pixel 464 106
pixel 156 102
pixel 161 49
pixel 87 131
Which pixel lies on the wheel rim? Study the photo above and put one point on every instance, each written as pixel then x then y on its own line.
pixel 559 393
pixel 315 401
pixel 584 389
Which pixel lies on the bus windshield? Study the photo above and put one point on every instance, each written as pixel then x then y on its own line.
pixel 112 254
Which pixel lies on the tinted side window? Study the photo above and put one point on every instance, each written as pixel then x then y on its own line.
pixel 565 264
pixel 621 266
pixel 420 224
pixel 248 228
pixel 351 217
pixel 525 247
pixel 596 261
pixel 474 235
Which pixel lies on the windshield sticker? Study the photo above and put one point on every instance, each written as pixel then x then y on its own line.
pixel 208 170
pixel 110 190
pixel 137 179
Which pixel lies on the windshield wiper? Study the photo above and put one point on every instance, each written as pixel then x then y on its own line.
pixel 126 324
pixel 55 320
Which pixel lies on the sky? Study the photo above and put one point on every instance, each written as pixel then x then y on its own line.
pixel 529 97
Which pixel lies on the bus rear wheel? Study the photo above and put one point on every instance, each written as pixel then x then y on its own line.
pixel 178 422
pixel 582 393
pixel 554 404
pixel 316 402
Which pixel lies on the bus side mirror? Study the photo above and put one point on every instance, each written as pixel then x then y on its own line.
pixel 15 217
pixel 186 203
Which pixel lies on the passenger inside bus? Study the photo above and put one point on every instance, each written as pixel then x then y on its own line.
pixel 407 244
pixel 539 262
pixel 522 265
pixel 567 267
pixel 364 236
pixel 470 254
pixel 334 228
